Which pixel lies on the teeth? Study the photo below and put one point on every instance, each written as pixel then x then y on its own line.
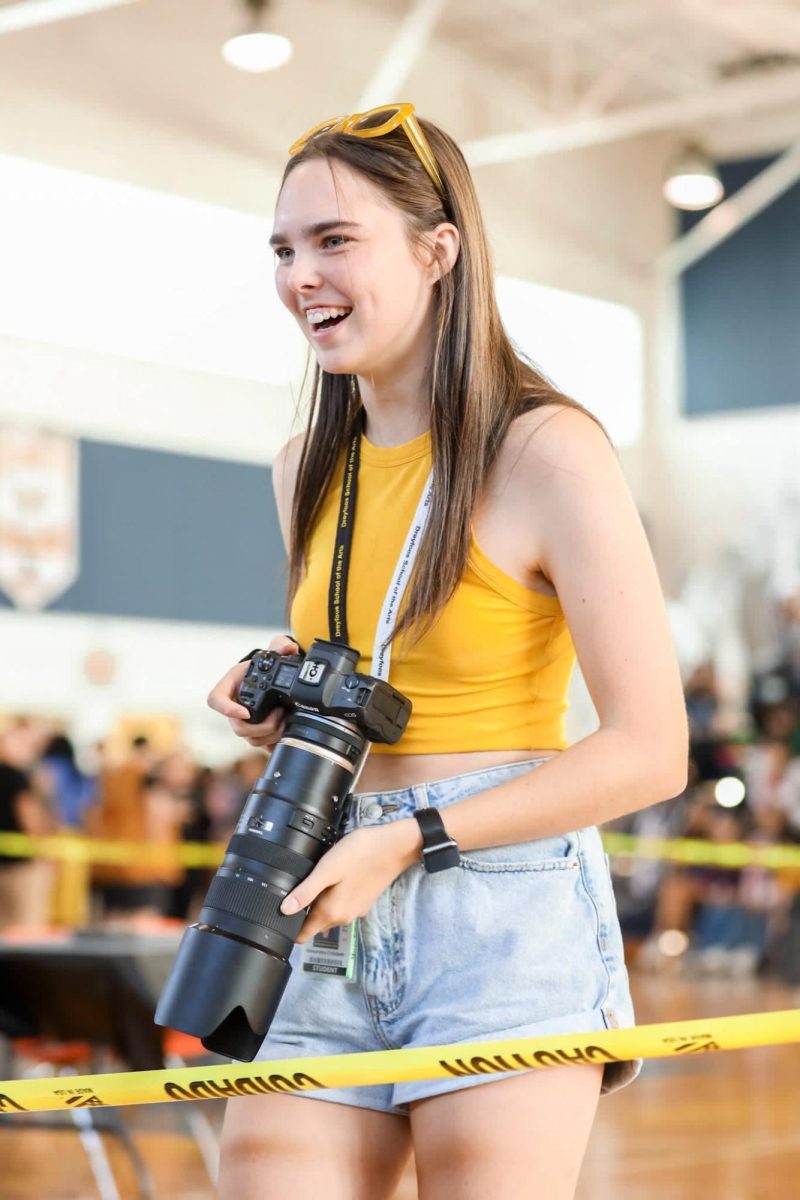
pixel 315 316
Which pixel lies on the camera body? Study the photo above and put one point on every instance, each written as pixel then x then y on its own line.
pixel 323 681
pixel 232 965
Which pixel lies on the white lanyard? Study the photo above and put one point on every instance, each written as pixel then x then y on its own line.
pixel 382 650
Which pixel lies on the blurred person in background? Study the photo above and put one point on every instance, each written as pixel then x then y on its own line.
pixel 763 896
pixel 25 883
pixel 717 924
pixel 225 792
pixel 183 817
pixel 772 776
pixel 138 804
pixel 702 702
pixel 222 801
pixel 72 792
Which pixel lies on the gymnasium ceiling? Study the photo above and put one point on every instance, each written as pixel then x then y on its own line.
pixel 137 90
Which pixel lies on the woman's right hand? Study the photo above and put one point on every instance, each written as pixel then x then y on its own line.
pixel 222 699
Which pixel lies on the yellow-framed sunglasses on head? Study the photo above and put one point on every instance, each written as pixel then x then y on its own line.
pixel 375 123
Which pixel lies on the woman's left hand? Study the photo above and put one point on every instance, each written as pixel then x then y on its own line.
pixel 350 876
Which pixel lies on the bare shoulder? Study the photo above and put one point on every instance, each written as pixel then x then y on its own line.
pixel 284 479
pixel 287 464
pixel 554 443
pixel 568 476
pixel 287 460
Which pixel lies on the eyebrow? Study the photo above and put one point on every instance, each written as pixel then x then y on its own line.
pixel 315 230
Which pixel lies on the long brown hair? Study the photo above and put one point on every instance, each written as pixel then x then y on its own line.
pixel 478 381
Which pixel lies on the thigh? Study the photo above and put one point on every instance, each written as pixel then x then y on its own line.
pixel 509 1139
pixel 278 1146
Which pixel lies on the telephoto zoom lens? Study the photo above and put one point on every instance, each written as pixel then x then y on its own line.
pixel 232 965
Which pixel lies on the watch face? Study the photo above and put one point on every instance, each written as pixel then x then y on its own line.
pixel 439 851
pixel 442 858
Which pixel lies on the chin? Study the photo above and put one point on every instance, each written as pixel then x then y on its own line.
pixel 338 366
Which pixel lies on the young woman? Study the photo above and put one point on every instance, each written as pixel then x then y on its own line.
pixel 532 551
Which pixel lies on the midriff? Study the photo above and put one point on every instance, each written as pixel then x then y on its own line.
pixel 386 773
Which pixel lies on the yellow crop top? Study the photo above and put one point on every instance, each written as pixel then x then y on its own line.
pixel 493 672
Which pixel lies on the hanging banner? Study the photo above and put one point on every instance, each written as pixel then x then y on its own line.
pixel 39 516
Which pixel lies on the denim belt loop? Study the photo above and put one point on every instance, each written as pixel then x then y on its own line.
pixel 420 793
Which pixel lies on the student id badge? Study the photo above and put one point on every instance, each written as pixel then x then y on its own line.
pixel 333 953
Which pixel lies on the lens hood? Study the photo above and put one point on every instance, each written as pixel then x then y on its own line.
pixel 197 995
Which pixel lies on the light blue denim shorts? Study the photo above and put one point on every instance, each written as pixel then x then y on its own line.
pixel 518 941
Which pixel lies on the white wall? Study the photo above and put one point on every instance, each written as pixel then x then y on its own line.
pixel 160 668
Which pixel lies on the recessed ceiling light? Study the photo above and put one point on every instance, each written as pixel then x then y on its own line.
pixel 693 183
pixel 255 50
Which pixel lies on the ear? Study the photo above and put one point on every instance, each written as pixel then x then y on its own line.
pixel 445 247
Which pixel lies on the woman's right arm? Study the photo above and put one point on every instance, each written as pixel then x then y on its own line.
pixel 222 697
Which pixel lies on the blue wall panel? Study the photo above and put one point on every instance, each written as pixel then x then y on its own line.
pixel 741 309
pixel 176 537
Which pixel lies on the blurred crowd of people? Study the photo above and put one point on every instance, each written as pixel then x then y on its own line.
pixel 159 800
pixel 709 917
pixel 744 787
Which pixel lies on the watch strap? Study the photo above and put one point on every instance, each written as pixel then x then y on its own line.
pixel 439 850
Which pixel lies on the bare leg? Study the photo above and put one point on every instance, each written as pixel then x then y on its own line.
pixel 521 1138
pixel 279 1146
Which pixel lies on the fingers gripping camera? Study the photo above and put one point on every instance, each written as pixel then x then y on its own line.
pixel 323 682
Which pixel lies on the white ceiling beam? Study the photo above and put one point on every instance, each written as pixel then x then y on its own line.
pixel 631 60
pixel 606 47
pixel 402 55
pixel 731 98
pixel 729 216
pixel 26 14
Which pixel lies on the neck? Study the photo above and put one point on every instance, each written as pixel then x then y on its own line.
pixel 397 410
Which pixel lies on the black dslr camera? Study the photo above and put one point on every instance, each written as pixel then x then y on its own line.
pixel 232 965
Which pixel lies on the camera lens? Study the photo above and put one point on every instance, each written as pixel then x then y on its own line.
pixel 289 820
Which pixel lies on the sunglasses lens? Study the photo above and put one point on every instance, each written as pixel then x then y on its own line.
pixel 327 126
pixel 380 116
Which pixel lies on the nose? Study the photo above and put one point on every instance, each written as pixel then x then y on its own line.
pixel 304 275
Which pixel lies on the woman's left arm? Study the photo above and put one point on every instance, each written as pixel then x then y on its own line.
pixel 594 550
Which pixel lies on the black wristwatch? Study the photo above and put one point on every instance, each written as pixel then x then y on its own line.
pixel 439 851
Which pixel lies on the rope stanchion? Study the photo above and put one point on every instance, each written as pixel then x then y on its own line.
pixel 671 1040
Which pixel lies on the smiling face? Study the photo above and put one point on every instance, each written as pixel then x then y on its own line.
pixel 347 271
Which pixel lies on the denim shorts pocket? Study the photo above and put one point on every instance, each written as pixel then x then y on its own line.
pixel 545 854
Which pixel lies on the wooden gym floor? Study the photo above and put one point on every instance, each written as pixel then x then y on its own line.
pixel 712 1127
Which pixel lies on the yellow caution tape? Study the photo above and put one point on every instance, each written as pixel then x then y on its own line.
pixel 71 848
pixel 694 851
pixel 700 853
pixel 670 1040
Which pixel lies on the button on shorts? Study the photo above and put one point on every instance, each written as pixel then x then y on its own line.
pixel 517 941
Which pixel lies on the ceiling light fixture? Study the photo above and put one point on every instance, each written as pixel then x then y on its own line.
pixel 693 183
pixel 255 50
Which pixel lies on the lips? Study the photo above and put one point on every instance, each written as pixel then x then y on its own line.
pixel 321 316
pixel 322 323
